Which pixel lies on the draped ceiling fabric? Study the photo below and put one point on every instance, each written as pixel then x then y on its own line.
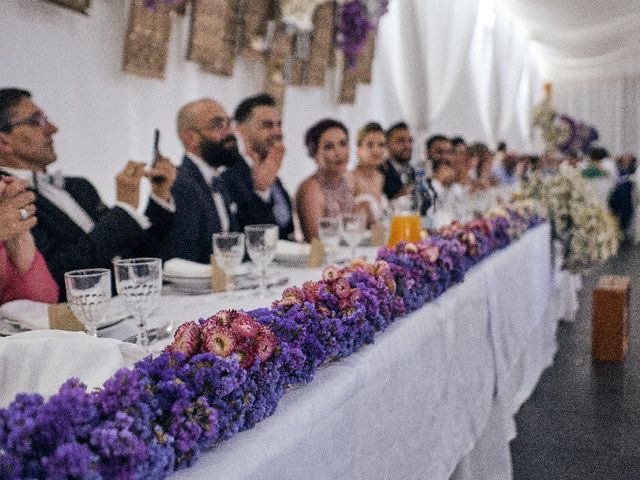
pixel 458 67
pixel 589 50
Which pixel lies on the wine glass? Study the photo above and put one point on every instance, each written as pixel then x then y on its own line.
pixel 88 292
pixel 353 230
pixel 228 250
pixel 329 230
pixel 261 247
pixel 139 281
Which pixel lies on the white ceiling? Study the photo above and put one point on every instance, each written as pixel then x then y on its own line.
pixel 582 37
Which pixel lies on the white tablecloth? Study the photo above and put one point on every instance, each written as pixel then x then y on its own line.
pixel 433 398
pixel 421 400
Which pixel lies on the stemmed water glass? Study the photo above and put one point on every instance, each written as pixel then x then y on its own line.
pixel 138 282
pixel 88 292
pixel 353 230
pixel 228 250
pixel 330 232
pixel 261 247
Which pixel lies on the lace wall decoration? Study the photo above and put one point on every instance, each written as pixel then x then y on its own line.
pixel 213 40
pixel 146 43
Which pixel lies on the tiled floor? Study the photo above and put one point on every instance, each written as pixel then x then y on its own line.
pixel 583 420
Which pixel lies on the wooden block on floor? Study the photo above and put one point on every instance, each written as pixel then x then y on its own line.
pixel 610 318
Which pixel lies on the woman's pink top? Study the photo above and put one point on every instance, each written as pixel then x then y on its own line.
pixel 36 284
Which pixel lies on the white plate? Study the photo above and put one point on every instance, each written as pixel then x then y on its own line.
pixel 295 260
pixel 243 269
pixel 9 327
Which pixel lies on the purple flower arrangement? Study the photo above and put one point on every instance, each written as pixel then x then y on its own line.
pixel 223 374
pixel 356 20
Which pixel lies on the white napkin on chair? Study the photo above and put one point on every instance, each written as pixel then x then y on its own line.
pixel 178 267
pixel 42 360
pixel 28 314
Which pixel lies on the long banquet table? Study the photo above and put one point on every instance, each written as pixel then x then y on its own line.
pixel 433 397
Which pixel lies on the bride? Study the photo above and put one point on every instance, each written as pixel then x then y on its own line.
pixel 367 179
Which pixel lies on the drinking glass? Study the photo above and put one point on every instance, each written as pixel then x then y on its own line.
pixel 139 281
pixel 88 292
pixel 228 249
pixel 353 230
pixel 261 247
pixel 330 232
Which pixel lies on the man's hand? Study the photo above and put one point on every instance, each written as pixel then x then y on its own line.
pixel 14 231
pixel 264 173
pixel 128 184
pixel 162 178
pixel 13 197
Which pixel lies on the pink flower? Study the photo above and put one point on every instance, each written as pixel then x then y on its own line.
pixel 311 291
pixel 391 285
pixel 431 253
pixel 219 340
pixel 187 339
pixel 245 326
pixel 382 268
pixel 330 273
pixel 342 288
pixel 266 343
pixel 290 297
pixel 411 248
pixel 246 357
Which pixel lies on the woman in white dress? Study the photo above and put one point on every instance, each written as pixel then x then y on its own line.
pixel 367 179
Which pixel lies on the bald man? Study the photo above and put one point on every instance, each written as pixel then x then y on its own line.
pixel 203 196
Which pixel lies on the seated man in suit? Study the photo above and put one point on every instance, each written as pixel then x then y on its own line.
pixel 75 229
pixel 399 175
pixel 261 196
pixel 203 195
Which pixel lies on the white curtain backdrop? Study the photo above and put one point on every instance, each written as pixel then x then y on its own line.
pixel 458 67
pixel 589 50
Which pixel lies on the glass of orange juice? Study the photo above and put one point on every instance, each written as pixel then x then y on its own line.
pixel 404 226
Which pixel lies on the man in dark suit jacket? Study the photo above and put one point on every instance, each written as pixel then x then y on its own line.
pixel 75 229
pixel 399 175
pixel 259 192
pixel 202 191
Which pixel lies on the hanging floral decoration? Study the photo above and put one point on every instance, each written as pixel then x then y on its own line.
pixel 354 24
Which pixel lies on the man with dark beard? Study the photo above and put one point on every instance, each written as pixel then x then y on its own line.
pixel 260 196
pixel 204 199
pixel 399 175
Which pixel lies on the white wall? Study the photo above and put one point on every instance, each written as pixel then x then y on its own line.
pixel 427 71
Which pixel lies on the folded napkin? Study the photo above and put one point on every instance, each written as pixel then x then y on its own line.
pixel 40 361
pixel 287 248
pixel 28 314
pixel 178 267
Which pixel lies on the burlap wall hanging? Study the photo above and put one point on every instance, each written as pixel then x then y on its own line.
pixel 78 5
pixel 321 48
pixel 213 39
pixel 260 20
pixel 348 83
pixel 359 73
pixel 146 43
pixel 277 75
pixel 365 60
